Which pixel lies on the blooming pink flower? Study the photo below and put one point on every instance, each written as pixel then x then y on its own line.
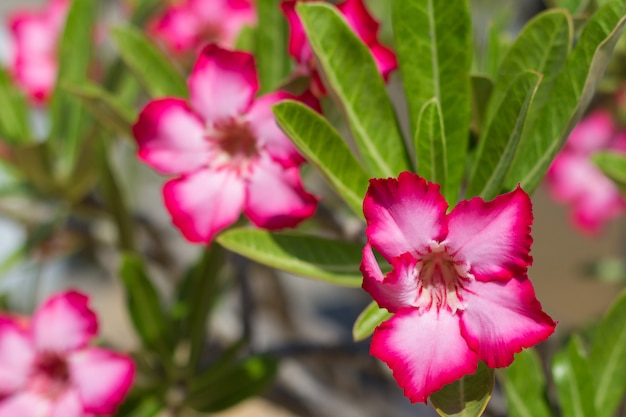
pixel 187 25
pixel 227 150
pixel 458 284
pixel 358 18
pixel 574 179
pixel 47 368
pixel 36 34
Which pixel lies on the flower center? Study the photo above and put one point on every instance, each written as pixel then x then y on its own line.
pixel 441 280
pixel 235 145
pixel 50 376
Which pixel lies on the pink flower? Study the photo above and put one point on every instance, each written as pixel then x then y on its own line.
pixel 230 155
pixel 458 284
pixel 35 62
pixel 187 25
pixel 574 179
pixel 47 368
pixel 358 18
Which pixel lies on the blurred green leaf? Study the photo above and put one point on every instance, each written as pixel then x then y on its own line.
pixel 320 143
pixel 314 257
pixel 14 127
pixel 430 144
pixel 613 165
pixel 573 380
pixel 147 407
pixel 151 66
pixel 273 63
pixel 482 88
pixel 368 320
pixel 434 46
pixel 466 397
pixel 525 386
pixel 143 10
pixel 351 73
pixel 573 6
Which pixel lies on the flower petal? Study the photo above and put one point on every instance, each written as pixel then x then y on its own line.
pixel 16 356
pixel 68 405
pixel 222 83
pixel 360 20
pixel 404 214
pixel 177 27
pixel 385 59
pixel 205 202
pixel 501 318
pixel 170 137
pixel 425 351
pixel 299 47
pixel 101 377
pixel 492 237
pixel 592 133
pixel 25 404
pixel 64 323
pixel 289 203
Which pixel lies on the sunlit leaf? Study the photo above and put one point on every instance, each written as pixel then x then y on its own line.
pixel 573 380
pixel 368 320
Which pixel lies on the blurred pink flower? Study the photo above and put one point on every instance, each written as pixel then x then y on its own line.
pixel 47 368
pixel 36 34
pixel 187 25
pixel 358 18
pixel 458 285
pixel 225 147
pixel 574 179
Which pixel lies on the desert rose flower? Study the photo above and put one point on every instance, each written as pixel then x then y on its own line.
pixel 48 369
pixel 358 18
pixel 36 33
pixel 458 284
pixel 187 25
pixel 226 150
pixel 574 179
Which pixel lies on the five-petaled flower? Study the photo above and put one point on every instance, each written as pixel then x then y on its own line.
pixel 458 285
pixel 47 368
pixel 227 150
pixel 358 18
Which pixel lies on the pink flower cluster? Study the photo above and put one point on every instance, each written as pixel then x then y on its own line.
pixel 48 369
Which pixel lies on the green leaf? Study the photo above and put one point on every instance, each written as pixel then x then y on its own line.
pixel 148 407
pixel 572 6
pixel 608 359
pixel 613 165
pixel 314 257
pixel 14 126
pixel 573 89
pixel 434 46
pixel 430 144
pixel 368 320
pixel 525 387
pixel 273 63
pixel 574 382
pixel 482 88
pixel 151 66
pixel 350 71
pixel 466 397
pixel 320 143
pixel 497 145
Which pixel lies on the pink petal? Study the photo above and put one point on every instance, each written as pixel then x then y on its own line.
pixel 360 20
pixel 68 405
pixel 385 59
pixel 64 323
pixel 177 27
pixel 501 318
pixel 592 133
pixel 37 77
pixel 102 378
pixel 425 351
pixel 225 17
pixel 16 356
pixel 492 237
pixel 205 202
pixel 404 214
pixel 170 137
pixel 25 404
pixel 289 203
pixel 222 83
pixel 299 47
pixel 396 290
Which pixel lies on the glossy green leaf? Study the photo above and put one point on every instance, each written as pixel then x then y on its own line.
pixel 573 89
pixel 320 143
pixel 430 144
pixel 368 320
pixel 14 126
pixel 608 359
pixel 573 380
pixel 613 165
pixel 434 47
pixel 525 387
pixel 151 66
pixel 273 63
pixel 308 256
pixel 466 397
pixel 497 146
pixel 351 73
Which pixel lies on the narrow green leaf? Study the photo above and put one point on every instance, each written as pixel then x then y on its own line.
pixel 368 320
pixel 613 165
pixel 351 73
pixel 151 66
pixel 430 144
pixel 320 143
pixel 434 46
pixel 574 382
pixel 482 88
pixel 308 256
pixel 573 89
pixel 525 387
pixel 572 6
pixel 608 359
pixel 497 146
pixel 466 397
pixel 14 126
pixel 273 63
